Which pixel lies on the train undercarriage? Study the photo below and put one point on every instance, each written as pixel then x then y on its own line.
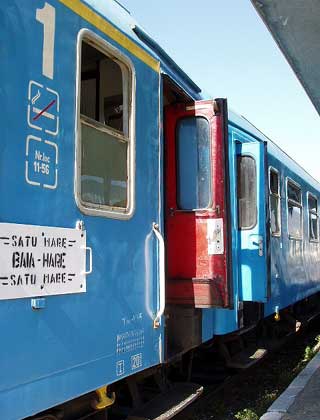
pixel 160 393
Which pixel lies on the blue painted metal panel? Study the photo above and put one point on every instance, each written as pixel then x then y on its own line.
pixel 295 264
pixel 252 238
pixel 77 342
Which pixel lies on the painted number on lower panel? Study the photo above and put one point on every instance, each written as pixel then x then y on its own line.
pixel 136 361
pixel 120 368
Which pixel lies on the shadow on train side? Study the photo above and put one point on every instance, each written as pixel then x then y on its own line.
pixel 144 224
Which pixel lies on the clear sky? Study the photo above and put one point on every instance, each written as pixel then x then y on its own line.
pixel 226 49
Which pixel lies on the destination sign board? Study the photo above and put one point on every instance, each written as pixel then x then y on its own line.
pixel 41 261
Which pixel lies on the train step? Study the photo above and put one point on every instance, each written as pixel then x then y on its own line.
pixel 246 358
pixel 169 403
pixel 237 355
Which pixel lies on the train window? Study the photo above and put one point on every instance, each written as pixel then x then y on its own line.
pixel 294 202
pixel 247 192
pixel 193 163
pixel 104 130
pixel 313 218
pixel 274 188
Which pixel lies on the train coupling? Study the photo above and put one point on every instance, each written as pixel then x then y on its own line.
pixel 104 400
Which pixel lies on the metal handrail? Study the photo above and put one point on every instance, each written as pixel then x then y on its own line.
pixel 162 276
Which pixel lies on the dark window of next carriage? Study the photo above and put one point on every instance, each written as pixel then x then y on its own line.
pixel 294 202
pixel 275 203
pixel 313 218
pixel 193 163
pixel 247 192
pixel 104 117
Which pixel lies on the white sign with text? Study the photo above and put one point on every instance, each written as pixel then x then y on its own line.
pixel 41 261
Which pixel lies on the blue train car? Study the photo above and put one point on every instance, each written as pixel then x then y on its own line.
pixel 135 207
pixel 76 89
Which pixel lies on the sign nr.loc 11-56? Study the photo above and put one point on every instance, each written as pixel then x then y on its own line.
pixel 41 261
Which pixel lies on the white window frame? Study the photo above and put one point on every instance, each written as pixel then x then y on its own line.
pixel 290 180
pixel 249 155
pixel 309 194
pixel 278 195
pixel 122 60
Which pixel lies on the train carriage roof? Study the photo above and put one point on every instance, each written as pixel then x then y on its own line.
pixel 294 24
pixel 243 124
pixel 120 17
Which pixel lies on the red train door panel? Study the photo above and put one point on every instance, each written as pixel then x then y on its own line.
pixel 196 210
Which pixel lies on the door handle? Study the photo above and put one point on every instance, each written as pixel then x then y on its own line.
pixel 162 276
pixel 259 244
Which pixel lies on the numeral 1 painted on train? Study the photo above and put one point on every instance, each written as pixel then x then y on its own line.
pixel 47 16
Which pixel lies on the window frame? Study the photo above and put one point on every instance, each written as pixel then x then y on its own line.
pixel 278 195
pixel 316 213
pixel 300 205
pixel 85 35
pixel 240 228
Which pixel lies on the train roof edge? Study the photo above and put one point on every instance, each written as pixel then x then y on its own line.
pixel 119 16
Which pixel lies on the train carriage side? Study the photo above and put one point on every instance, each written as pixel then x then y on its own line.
pixel 294 226
pixel 291 250
pixel 227 277
pixel 218 290
pixel 274 231
pixel 79 168
pixel 241 219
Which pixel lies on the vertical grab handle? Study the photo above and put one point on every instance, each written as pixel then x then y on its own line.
pixel 260 242
pixel 90 260
pixel 162 276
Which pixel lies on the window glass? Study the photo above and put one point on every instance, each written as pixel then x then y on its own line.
pixel 193 163
pixel 313 217
pixel 104 130
pixel 312 203
pixel 274 182
pixel 101 88
pixel 275 202
pixel 294 211
pixel 294 221
pixel 104 181
pixel 247 192
pixel 294 193
pixel 275 214
pixel 313 227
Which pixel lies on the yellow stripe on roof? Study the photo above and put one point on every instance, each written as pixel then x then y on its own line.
pixel 90 16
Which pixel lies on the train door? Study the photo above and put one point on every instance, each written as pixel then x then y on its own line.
pixel 252 221
pixel 196 208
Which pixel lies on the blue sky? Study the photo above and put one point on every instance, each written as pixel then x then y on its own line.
pixel 226 49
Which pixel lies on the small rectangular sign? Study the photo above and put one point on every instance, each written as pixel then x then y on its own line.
pixel 41 261
pixel 43 108
pixel 215 236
